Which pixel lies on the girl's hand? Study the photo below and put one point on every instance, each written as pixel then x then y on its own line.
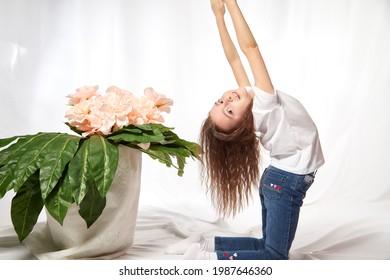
pixel 218 7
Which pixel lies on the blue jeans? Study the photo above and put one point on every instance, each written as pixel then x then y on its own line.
pixel 281 196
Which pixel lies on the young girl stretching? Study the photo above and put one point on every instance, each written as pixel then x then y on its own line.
pixel 230 140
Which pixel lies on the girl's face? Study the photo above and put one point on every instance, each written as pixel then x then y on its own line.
pixel 229 110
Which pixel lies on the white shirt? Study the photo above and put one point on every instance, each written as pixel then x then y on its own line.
pixel 287 131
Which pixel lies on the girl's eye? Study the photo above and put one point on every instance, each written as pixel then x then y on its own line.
pixel 219 101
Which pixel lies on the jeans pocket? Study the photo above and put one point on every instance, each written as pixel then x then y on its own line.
pixel 308 179
pixel 305 182
pixel 272 186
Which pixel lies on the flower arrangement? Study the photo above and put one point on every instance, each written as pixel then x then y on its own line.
pixel 55 170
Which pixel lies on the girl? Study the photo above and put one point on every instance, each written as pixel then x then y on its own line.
pixel 230 140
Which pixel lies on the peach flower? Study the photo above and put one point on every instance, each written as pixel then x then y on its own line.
pixel 161 102
pixel 146 112
pixel 83 93
pixel 79 113
pixel 93 112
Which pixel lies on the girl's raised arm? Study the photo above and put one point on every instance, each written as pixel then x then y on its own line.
pixel 230 50
pixel 249 47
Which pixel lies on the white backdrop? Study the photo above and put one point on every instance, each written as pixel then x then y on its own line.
pixel 333 55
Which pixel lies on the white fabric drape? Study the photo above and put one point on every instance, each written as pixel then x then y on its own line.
pixel 333 55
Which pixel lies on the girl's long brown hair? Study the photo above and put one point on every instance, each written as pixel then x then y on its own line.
pixel 230 163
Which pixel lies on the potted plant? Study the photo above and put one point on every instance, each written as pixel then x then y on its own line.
pixel 57 171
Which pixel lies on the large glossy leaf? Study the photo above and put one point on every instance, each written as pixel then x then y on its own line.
pixel 128 129
pixel 92 205
pixel 165 143
pixel 8 160
pixel 74 129
pixel 7 153
pixel 102 162
pixel 26 160
pixel 175 141
pixel 144 137
pixel 160 156
pixel 165 154
pixel 78 176
pixel 3 187
pixel 4 142
pixel 26 206
pixel 153 126
pixel 60 199
pixel 56 155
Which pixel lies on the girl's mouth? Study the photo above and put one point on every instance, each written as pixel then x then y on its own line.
pixel 236 95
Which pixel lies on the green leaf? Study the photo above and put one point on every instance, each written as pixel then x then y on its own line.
pixel 154 126
pixel 30 158
pixel 26 206
pixel 3 187
pixel 145 133
pixel 127 129
pixel 181 161
pixel 57 154
pixel 175 141
pixel 78 177
pixel 59 200
pixel 145 137
pixel 165 144
pixel 74 129
pixel 145 127
pixel 165 153
pixel 172 150
pixel 6 154
pixel 180 150
pixel 25 159
pixel 92 205
pixel 6 141
pixel 160 156
pixel 102 161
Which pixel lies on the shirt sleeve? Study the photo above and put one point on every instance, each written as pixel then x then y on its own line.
pixel 264 100
pixel 263 104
